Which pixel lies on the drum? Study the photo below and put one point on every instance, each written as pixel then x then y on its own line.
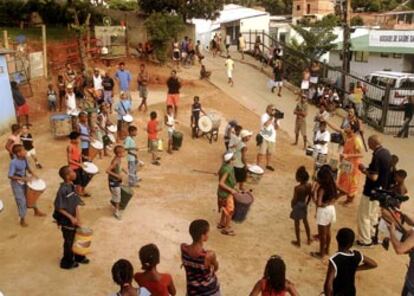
pixel 82 242
pixel 242 203
pixel 126 195
pixel 254 174
pixel 94 149
pixel 127 118
pixel 209 122
pixel 61 125
pixel 112 129
pixel 320 159
pixel 177 139
pixel 309 151
pixel 90 168
pixel 35 188
pixel 112 138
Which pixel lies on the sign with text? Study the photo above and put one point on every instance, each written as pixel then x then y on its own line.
pixel 392 39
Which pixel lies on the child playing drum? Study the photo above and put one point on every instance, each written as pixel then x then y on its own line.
pixel 196 109
pixel 67 216
pixel 19 167
pixel 74 157
pixel 28 144
pixel 225 194
pixel 114 172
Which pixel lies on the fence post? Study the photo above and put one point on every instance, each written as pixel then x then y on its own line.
pixel 385 108
pixel 250 40
pixel 44 51
pixel 263 41
pixel 5 39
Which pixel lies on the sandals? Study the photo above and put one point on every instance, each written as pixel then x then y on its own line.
pixel 228 232
pixel 219 226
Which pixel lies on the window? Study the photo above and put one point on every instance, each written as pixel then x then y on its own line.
pixel 408 83
pixel 308 9
pixel 297 7
pixel 361 56
pixel 397 56
pixel 384 55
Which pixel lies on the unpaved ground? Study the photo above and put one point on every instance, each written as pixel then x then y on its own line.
pixel 169 198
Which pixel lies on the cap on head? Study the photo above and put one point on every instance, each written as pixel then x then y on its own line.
pixel 245 133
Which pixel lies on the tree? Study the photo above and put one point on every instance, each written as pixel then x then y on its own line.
pixel 188 9
pixel 316 41
pixel 357 21
pixel 123 5
pixel 274 7
pixel 329 21
pixel 161 29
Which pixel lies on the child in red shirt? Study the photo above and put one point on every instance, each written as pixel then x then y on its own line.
pixel 159 284
pixel 152 130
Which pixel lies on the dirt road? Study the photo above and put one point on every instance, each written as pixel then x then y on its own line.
pixel 169 198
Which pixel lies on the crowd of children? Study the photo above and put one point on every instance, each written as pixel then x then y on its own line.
pixel 200 264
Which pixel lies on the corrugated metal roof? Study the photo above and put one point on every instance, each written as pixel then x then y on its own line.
pixel 233 12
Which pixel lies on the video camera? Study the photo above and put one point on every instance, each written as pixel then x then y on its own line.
pixel 388 199
pixel 276 113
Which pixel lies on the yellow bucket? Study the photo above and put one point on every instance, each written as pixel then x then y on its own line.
pixel 83 240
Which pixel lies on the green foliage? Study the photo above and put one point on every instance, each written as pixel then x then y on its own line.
pixel 316 41
pixel 124 5
pixel 374 5
pixel 188 9
pixel 161 29
pixel 52 11
pixel 328 21
pixel 357 21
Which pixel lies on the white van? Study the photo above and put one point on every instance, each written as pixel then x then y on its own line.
pixel 402 85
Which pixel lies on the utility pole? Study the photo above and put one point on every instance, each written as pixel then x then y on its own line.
pixel 346 46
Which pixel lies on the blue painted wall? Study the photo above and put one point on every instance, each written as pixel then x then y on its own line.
pixel 7 113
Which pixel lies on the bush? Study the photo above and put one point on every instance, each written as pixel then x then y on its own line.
pixel 357 21
pixel 161 29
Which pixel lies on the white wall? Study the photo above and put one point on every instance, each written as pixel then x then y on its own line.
pixel 375 63
pixel 258 23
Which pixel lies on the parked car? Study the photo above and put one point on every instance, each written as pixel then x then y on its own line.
pixel 401 83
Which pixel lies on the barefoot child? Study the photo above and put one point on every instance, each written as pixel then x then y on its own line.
pixel 74 157
pixel 229 69
pixel 114 172
pixel 28 144
pixel 196 109
pixel 300 202
pixel 159 284
pixel 131 148
pixel 170 123
pixel 67 216
pixel 152 130
pixel 51 98
pixel 18 169
pixel 13 139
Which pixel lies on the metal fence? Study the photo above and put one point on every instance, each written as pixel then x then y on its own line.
pixel 381 108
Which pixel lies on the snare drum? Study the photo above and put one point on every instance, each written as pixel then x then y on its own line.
pixel 254 174
pixel 90 168
pixel 94 149
pixel 112 129
pixel 61 125
pixel 209 122
pixel 35 188
pixel 127 118
pixel 83 240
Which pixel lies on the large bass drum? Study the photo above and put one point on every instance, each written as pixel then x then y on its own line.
pixel 209 122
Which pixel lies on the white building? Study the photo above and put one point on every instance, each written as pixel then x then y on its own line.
pixel 233 19
pixel 378 50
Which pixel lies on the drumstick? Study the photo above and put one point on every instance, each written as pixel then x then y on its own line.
pixel 205 172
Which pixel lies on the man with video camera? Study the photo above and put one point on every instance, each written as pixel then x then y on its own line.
pixel 266 139
pixel 377 177
pixel 406 246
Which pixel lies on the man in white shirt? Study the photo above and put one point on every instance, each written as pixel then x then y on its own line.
pixel 269 125
pixel 97 80
pixel 321 143
pixel 229 68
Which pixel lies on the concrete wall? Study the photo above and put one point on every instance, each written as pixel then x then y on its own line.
pixel 135 26
pixel 258 23
pixel 7 113
pixel 375 63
